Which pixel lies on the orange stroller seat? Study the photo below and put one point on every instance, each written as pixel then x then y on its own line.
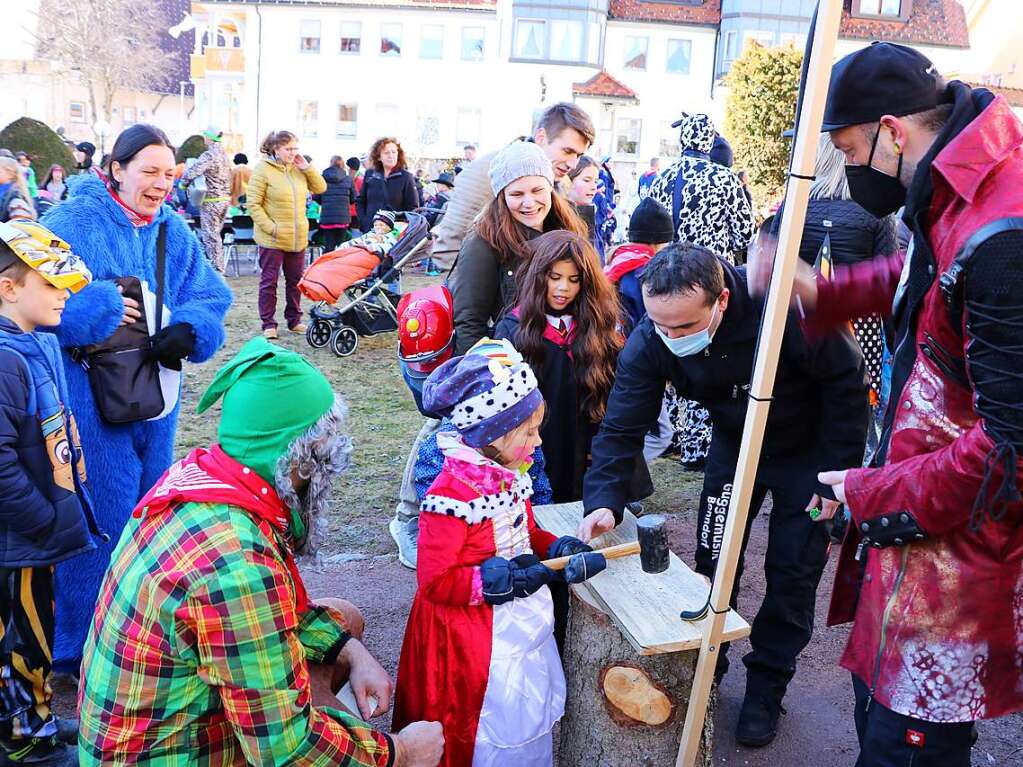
pixel 331 274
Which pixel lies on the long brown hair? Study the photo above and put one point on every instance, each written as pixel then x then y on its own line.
pixel 595 311
pixel 499 229
pixel 378 147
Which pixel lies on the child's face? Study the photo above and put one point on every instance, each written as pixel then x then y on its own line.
pixel 32 304
pixel 381 227
pixel 517 446
pixel 563 285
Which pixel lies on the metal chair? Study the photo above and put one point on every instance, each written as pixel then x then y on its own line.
pixel 240 247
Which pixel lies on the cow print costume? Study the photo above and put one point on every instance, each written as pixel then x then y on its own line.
pixel 715 213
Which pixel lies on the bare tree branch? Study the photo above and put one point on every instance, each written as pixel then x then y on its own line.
pixel 110 45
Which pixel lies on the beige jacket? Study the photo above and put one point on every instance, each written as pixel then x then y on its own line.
pixel 276 200
pixel 468 199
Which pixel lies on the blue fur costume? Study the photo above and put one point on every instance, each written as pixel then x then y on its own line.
pixel 123 461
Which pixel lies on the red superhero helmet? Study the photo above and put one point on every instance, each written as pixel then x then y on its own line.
pixel 426 328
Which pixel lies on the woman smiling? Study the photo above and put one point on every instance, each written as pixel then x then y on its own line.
pixel 523 208
pixel 114 227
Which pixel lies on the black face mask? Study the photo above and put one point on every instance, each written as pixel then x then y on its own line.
pixel 876 192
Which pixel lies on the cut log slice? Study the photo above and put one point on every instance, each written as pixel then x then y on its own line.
pixel 635 696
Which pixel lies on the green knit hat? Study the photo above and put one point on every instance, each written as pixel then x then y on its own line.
pixel 272 396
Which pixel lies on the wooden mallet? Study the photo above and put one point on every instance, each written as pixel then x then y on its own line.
pixel 652 547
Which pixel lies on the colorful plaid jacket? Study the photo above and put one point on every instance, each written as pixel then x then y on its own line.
pixel 197 654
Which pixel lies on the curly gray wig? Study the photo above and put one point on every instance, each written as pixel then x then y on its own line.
pixel 320 455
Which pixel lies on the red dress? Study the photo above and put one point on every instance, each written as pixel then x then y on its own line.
pixel 490 675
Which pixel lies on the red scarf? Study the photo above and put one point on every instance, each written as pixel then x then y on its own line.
pixel 212 476
pixel 136 219
pixel 628 258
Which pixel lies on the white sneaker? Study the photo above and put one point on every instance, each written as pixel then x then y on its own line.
pixel 406 536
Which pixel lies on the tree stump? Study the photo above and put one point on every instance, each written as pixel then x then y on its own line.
pixel 623 709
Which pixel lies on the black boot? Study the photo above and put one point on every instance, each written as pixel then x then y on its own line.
pixel 758 720
pixel 38 752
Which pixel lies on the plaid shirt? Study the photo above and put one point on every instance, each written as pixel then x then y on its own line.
pixel 198 656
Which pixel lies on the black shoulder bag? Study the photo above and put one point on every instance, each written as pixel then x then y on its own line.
pixel 125 380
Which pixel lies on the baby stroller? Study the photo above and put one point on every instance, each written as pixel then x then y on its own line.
pixel 359 302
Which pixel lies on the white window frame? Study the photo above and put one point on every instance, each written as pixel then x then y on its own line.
pixel 357 25
pixel 670 147
pixel 646 53
pixel 619 134
pixel 483 43
pixel 729 47
pixel 544 42
pixel 423 40
pixel 303 37
pixel 400 43
pixel 667 57
pixel 353 132
pixel 564 26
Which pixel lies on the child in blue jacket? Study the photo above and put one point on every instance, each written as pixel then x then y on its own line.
pixel 45 515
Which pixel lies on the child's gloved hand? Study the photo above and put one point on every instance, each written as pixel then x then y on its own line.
pixel 565 546
pixel 504 579
pixel 583 566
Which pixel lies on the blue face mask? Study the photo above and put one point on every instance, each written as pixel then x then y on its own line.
pixel 694 343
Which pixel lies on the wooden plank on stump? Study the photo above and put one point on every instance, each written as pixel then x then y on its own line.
pixel 644 606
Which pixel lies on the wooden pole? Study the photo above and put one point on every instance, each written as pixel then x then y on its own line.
pixel 817 74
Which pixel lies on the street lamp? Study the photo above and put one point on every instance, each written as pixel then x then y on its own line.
pixel 102 129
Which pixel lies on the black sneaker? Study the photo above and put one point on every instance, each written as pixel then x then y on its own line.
pixel 39 752
pixel 758 720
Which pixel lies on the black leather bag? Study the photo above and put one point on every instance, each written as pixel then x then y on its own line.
pixel 124 378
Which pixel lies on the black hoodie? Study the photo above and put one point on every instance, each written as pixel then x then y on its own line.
pixel 820 408
pixel 336 202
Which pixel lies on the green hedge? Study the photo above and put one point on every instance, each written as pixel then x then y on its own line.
pixel 43 145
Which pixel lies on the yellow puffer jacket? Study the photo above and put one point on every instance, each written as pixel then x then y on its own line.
pixel 276 198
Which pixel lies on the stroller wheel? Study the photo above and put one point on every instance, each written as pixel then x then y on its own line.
pixel 344 341
pixel 318 333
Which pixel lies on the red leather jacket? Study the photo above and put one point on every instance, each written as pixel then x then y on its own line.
pixel 938 631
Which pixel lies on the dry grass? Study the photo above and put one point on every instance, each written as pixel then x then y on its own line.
pixel 383 423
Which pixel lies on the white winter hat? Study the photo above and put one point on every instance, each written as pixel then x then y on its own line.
pixel 517 160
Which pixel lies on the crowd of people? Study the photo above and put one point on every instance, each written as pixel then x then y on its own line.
pixel 550 366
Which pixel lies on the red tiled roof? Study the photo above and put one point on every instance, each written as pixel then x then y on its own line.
pixel 698 12
pixel 1013 95
pixel 932 22
pixel 603 85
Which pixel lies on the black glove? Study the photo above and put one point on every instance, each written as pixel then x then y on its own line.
pixel 566 546
pixel 172 344
pixel 583 566
pixel 504 579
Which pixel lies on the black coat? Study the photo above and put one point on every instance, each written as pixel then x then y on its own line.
pixel 567 433
pixel 397 192
pixel 820 406
pixel 855 234
pixel 335 203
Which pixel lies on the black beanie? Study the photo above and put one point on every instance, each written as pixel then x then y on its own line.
pixel 721 152
pixel 651 223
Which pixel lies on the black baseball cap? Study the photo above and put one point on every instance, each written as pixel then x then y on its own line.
pixel 881 79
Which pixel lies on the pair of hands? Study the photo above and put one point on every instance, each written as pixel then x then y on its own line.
pixel 602 520
pixel 420 744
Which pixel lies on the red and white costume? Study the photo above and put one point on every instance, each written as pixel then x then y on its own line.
pixel 490 674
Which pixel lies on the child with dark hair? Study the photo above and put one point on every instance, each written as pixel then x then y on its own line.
pixel 566 326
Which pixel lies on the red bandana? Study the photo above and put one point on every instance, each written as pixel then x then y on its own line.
pixel 136 219
pixel 212 476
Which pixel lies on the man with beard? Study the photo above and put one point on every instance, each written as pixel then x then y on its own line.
pixel 206 648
